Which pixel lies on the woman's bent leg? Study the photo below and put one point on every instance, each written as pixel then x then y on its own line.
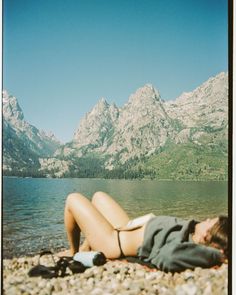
pixel 72 230
pixel 81 215
pixel 110 209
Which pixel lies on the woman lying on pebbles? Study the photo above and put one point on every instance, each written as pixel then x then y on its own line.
pixel 169 243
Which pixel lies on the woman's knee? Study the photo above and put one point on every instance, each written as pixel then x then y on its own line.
pixel 98 197
pixel 72 198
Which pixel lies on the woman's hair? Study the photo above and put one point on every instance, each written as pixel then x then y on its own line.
pixel 218 234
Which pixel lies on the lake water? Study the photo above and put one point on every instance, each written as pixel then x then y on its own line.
pixel 33 207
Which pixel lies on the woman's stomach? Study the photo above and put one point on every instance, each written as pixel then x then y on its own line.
pixel 132 240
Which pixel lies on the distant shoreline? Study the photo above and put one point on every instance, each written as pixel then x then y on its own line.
pixel 133 179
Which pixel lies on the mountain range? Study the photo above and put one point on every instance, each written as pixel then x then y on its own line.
pixel 148 137
pixel 23 144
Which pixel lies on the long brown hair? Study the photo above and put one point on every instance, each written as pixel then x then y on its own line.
pixel 218 235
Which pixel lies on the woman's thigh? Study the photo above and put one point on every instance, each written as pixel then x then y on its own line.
pixel 98 231
pixel 110 209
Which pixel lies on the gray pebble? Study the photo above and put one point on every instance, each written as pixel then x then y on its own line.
pixel 140 273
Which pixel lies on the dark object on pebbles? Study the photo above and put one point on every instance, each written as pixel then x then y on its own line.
pixel 59 268
pixel 43 271
pixel 74 266
pixel 99 259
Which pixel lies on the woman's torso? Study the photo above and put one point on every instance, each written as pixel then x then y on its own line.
pixel 132 240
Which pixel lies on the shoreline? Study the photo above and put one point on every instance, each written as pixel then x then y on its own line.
pixel 114 277
pixel 128 179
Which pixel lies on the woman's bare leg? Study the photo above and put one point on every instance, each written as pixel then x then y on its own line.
pixel 84 247
pixel 81 215
pixel 73 232
pixel 111 210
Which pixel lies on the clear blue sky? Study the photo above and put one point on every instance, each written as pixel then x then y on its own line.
pixel 61 56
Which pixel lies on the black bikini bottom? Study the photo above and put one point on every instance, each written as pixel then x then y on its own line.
pixel 131 258
pixel 122 255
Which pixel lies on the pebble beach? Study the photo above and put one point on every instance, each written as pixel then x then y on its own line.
pixel 114 277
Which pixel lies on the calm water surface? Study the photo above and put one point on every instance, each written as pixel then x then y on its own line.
pixel 33 208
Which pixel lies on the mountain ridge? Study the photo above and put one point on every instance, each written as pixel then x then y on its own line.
pixel 21 139
pixel 119 141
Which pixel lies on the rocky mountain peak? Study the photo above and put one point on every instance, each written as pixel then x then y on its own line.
pixel 5 97
pixel 26 142
pixel 145 94
pixel 96 122
pixel 11 109
pixel 213 86
pixel 206 105
pixel 103 102
pixel 49 135
pixel 101 106
pixel 146 126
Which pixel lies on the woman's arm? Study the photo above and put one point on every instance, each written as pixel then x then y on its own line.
pixel 137 222
pixel 176 257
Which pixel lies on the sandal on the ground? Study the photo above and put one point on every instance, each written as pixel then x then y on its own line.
pixel 42 270
pixel 59 268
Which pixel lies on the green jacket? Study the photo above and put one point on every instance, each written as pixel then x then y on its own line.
pixel 168 245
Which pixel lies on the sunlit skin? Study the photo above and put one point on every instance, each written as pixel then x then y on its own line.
pixel 98 220
pixel 202 230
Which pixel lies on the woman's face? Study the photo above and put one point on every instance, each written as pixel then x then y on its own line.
pixel 202 229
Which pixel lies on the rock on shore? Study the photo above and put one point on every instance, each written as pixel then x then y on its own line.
pixel 115 277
